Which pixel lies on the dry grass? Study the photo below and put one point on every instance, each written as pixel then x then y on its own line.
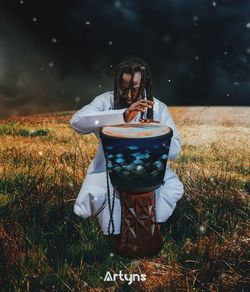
pixel 206 241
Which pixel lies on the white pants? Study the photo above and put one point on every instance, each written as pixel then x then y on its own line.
pixel 93 197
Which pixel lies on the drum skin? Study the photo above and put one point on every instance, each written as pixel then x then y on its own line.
pixel 136 155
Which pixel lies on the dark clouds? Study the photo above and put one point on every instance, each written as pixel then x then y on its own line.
pixel 57 55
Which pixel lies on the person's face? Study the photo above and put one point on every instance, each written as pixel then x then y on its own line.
pixel 130 94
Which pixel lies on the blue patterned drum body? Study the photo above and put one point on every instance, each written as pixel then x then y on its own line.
pixel 136 155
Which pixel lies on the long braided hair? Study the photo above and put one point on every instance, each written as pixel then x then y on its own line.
pixel 131 65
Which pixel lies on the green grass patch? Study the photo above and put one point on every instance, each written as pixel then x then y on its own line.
pixel 14 129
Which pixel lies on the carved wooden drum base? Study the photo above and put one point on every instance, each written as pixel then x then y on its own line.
pixel 140 234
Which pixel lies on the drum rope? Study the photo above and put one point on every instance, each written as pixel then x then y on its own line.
pixel 111 206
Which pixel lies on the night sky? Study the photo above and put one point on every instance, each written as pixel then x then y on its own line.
pixel 58 55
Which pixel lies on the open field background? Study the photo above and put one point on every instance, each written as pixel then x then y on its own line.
pixel 45 247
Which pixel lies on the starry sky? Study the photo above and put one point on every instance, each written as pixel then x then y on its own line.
pixel 58 55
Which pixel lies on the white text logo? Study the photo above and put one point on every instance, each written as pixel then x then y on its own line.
pixel 130 278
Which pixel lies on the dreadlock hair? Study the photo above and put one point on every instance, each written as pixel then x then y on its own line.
pixel 131 65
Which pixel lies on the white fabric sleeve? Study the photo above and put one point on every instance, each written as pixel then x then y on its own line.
pixel 95 115
pixel 166 119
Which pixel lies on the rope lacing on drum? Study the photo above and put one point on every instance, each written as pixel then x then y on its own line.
pixel 111 205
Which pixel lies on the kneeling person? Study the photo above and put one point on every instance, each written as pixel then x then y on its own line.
pixel 131 101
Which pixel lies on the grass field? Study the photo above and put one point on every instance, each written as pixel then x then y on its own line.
pixel 45 247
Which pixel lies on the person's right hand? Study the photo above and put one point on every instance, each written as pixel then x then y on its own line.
pixel 148 121
pixel 138 106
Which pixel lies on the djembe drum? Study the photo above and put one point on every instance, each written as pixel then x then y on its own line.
pixel 136 157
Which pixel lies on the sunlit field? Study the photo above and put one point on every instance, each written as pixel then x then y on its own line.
pixel 44 246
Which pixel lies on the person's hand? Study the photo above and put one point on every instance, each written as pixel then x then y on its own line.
pixel 138 106
pixel 148 121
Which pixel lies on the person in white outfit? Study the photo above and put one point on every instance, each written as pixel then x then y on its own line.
pixel 130 102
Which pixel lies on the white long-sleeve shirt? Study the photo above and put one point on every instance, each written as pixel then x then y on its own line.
pixel 100 113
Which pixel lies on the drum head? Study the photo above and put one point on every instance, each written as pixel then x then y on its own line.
pixel 142 130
